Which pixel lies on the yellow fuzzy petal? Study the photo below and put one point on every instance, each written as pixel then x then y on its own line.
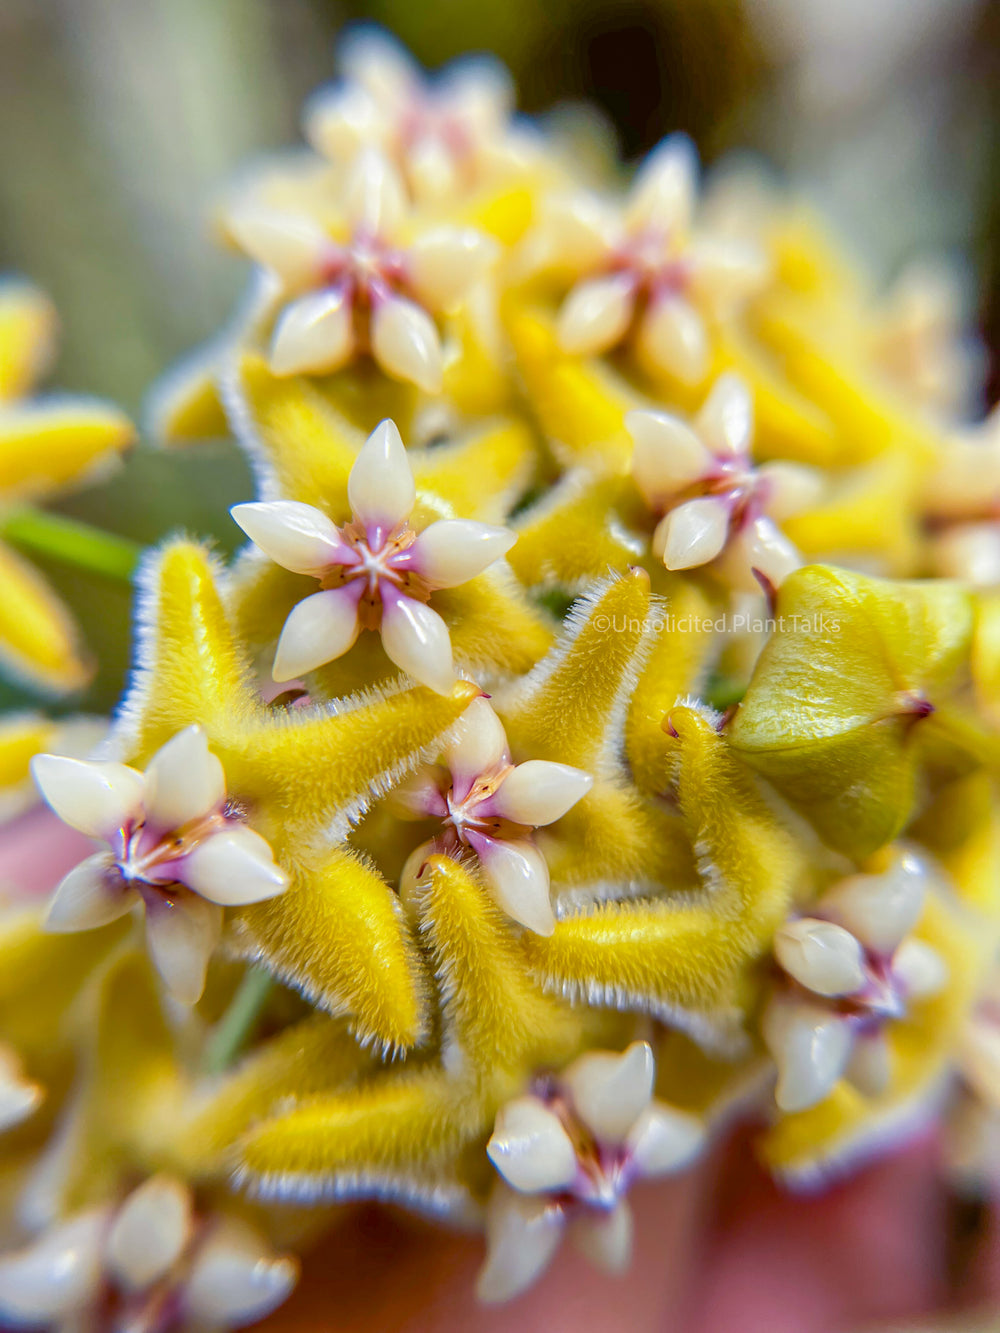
pixel 833 715
pixel 338 935
pixel 53 443
pixel 39 642
pixel 685 960
pixel 580 404
pixel 27 337
pixel 578 531
pixel 315 1055
pixel 184 407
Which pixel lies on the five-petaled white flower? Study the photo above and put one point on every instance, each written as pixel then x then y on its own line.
pixel 489 806
pixel 176 844
pixel 716 504
pixel 151 1262
pixel 642 268
pixel 849 969
pixel 568 1153
pixel 376 572
pixel 363 285
pixel 447 134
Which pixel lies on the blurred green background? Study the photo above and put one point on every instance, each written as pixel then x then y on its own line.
pixel 120 119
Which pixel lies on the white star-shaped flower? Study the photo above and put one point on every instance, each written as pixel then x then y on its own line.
pixel 151 1262
pixel 717 505
pixel 568 1153
pixel 488 806
pixel 850 968
pixel 447 134
pixel 365 286
pixel 376 572
pixel 643 270
pixel 176 845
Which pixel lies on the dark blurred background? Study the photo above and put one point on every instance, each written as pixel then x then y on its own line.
pixel 119 120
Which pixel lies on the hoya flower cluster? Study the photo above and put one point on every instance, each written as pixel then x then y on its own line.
pixel 595 739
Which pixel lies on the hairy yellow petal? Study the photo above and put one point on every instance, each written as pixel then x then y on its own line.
pixel 39 642
pixel 50 444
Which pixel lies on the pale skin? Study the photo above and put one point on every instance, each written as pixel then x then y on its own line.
pixel 717 1249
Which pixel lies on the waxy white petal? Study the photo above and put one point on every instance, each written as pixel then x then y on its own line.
pixel 881 909
pixel 445 263
pixel 666 186
pixel 314 335
pixel 412 866
pixel 58 1276
pixel 605 1238
pixel 668 455
pixel 235 1277
pixel 319 629
pixel 788 488
pixel 382 66
pixel 821 956
pixel 234 867
pixel 339 121
pixel 522 1235
pixel 184 781
pixel 919 969
pixel 870 1066
pixel 374 197
pixel 417 640
pixel 454 550
pixel 811 1047
pixel 693 533
pixel 150 1232
pixel 725 421
pixel 596 314
pixel 292 246
pixel 431 169
pixel 181 934
pixel 530 1147
pixel 726 271
pixel 611 1089
pixel 380 488
pixel 539 792
pixel 758 545
pixel 406 344
pixel 296 536
pixel 672 338
pixel 19 1096
pixel 664 1140
pixel 421 796
pixel 90 895
pixel 95 798
pixel 478 745
pixel 580 230
pixel 519 879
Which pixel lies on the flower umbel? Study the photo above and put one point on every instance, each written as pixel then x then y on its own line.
pixel 568 1153
pixel 176 844
pixel 719 505
pixel 376 572
pixel 488 805
pixel 853 967
pixel 365 288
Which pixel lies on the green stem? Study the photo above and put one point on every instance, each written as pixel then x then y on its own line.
pixel 70 541
pixel 233 1029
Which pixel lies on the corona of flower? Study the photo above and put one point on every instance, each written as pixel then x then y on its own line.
pixel 376 571
pixel 445 135
pixel 854 968
pixel 719 505
pixel 362 288
pixel 152 1262
pixel 176 844
pixel 488 806
pixel 642 271
pixel 567 1154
